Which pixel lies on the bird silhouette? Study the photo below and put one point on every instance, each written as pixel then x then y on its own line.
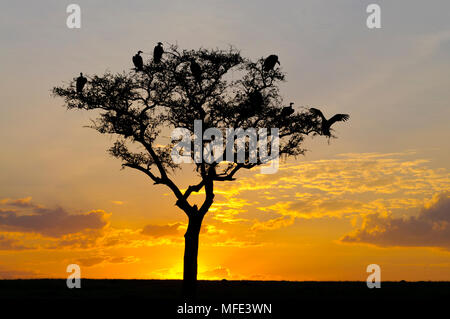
pixel 81 81
pixel 326 124
pixel 158 52
pixel 138 62
pixel 287 110
pixel 270 62
pixel 196 71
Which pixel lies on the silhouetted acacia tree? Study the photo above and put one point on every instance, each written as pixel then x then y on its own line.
pixel 230 92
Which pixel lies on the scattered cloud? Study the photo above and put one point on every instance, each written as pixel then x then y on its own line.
pixel 25 225
pixel 90 261
pixel 9 243
pixel 96 260
pixel 227 206
pixel 354 184
pixel 430 228
pixel 380 194
pixel 212 230
pixel 161 230
pixel 21 202
pixel 16 274
pixel 275 223
pixel 53 222
pixel 233 242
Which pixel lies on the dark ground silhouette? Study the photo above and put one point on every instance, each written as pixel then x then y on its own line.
pixel 162 298
pixel 218 291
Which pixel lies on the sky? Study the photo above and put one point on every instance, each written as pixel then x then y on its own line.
pixel 379 194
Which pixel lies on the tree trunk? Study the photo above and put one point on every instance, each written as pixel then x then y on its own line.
pixel 190 256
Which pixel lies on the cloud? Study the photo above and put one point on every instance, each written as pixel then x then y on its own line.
pixel 28 226
pixel 21 202
pixel 233 242
pixel 430 228
pixel 227 206
pixel 111 237
pixel 212 230
pixel 8 243
pixel 274 223
pixel 380 174
pixel 353 184
pixel 161 230
pixel 52 222
pixel 15 274
pixel 88 239
pixel 90 261
pixel 96 260
pixel 123 259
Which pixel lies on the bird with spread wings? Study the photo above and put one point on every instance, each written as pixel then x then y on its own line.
pixel 326 124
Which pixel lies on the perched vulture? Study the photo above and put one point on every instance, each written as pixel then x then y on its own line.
pixel 138 62
pixel 287 110
pixel 158 52
pixel 270 62
pixel 81 81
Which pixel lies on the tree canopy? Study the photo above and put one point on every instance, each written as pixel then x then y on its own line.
pixel 228 91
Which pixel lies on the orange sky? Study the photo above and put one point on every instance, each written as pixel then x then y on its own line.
pixel 379 194
pixel 313 220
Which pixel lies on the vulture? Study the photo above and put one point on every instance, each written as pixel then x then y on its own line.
pixel 287 110
pixel 270 61
pixel 81 81
pixel 138 62
pixel 158 52
pixel 326 124
pixel 196 71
